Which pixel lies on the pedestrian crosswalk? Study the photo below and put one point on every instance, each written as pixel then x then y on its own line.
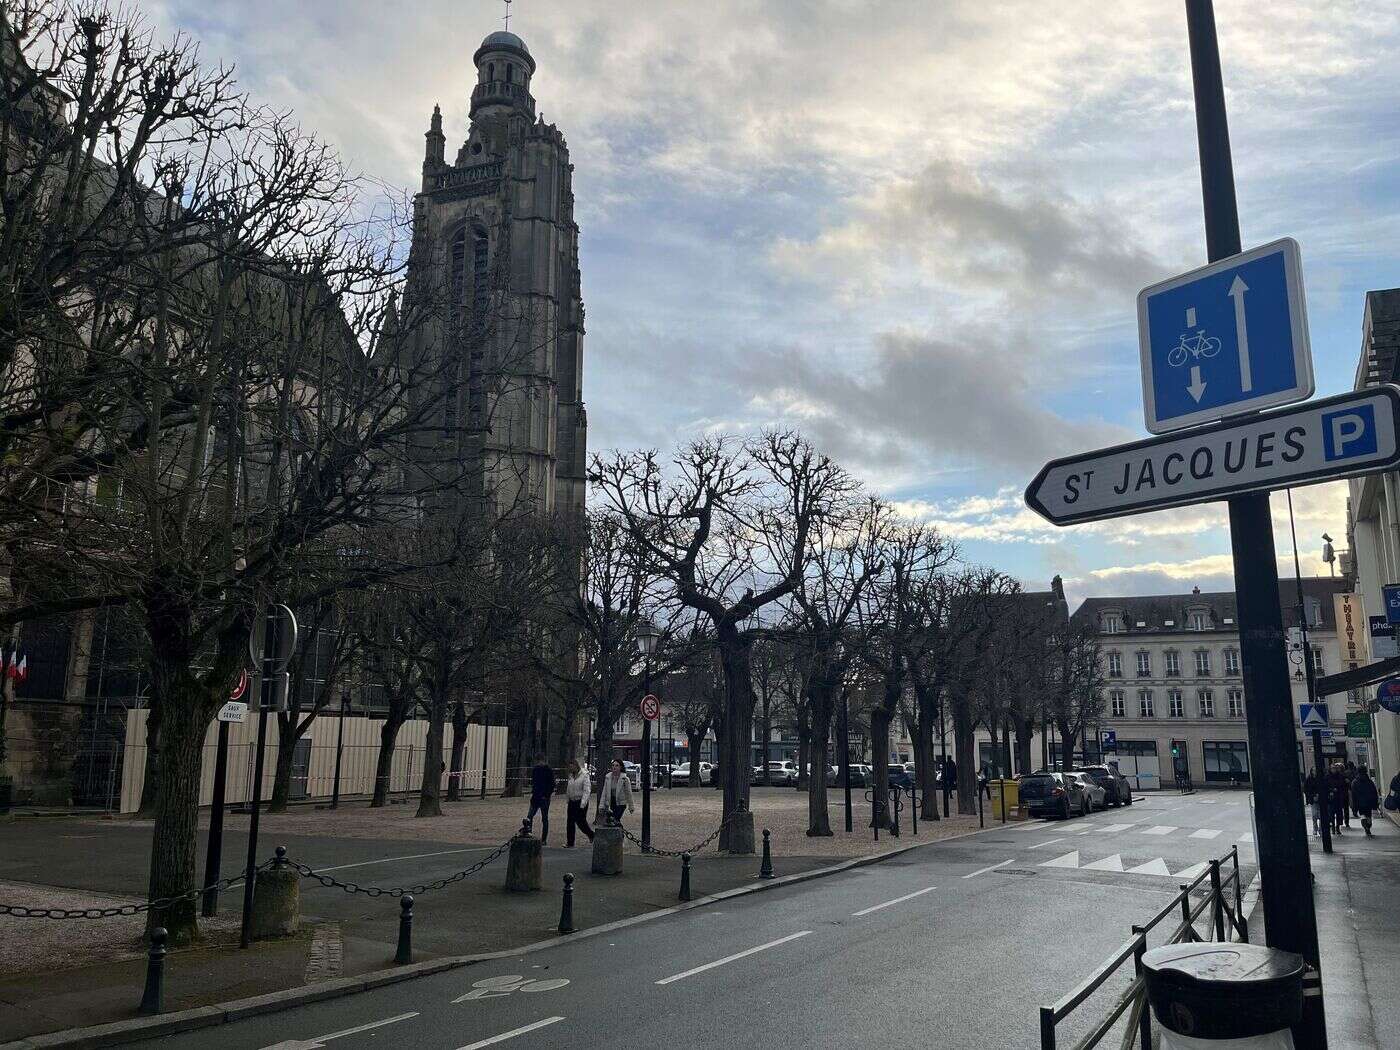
pixel 1156 866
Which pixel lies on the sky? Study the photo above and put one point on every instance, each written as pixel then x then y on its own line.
pixel 914 231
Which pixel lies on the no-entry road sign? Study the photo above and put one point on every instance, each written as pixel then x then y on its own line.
pixel 1335 437
pixel 651 708
pixel 1224 339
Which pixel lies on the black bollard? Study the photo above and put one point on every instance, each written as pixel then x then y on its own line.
pixel 765 870
pixel 566 913
pixel 404 955
pixel 895 806
pixel 279 856
pixel 685 877
pixel 155 974
pixel 914 810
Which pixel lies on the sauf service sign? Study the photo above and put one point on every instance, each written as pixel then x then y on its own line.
pixel 1351 630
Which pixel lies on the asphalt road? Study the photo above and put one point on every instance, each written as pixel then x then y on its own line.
pixel 953 944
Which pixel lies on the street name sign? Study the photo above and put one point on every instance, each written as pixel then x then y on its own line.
pixel 1225 339
pixel 1324 440
pixel 1312 716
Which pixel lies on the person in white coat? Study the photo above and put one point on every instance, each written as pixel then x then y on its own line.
pixel 578 789
pixel 616 795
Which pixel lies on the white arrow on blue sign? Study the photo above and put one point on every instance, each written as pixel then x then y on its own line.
pixel 1228 338
pixel 1312 716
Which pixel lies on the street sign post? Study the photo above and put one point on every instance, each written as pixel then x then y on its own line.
pixel 1228 338
pixel 1324 440
pixel 1312 716
pixel 1109 741
pixel 236 710
pixel 233 711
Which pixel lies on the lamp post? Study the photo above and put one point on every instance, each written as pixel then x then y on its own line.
pixel 340 746
pixel 647 637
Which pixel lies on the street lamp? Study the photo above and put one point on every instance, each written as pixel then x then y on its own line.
pixel 647 637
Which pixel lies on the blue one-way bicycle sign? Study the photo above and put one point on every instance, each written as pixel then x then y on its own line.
pixel 1229 338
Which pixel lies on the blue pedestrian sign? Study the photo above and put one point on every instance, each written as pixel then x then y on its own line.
pixel 1229 338
pixel 1312 716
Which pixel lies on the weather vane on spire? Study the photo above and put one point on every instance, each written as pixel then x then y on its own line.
pixel 507 2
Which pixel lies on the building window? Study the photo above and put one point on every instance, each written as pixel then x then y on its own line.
pixel 490 71
pixel 1227 761
pixel 1174 705
pixel 1117 708
pixel 1115 665
pixel 1317 661
pixel 510 74
pixel 1203 661
pixel 1145 703
pixel 1232 661
pixel 1112 623
pixel 1313 609
pixel 1144 664
pixel 1198 621
pixel 1173 663
pixel 1234 703
pixel 1205 703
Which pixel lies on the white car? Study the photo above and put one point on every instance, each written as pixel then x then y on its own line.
pixel 680 776
pixel 634 774
pixel 1094 793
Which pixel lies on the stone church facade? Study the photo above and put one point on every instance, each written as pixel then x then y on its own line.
pixel 495 235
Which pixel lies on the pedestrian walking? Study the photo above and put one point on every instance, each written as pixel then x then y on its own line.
pixel 1365 797
pixel 1310 791
pixel 617 792
pixel 950 775
pixel 1336 788
pixel 541 791
pixel 1349 773
pixel 577 791
pixel 984 782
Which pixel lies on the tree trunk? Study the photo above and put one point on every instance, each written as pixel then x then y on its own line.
pixel 602 748
pixel 150 775
pixel 286 747
pixel 517 748
pixel 564 744
pixel 384 764
pixel 1024 731
pixel 1066 746
pixel 459 751
pixel 880 760
pixel 430 794
pixel 721 741
pixel 923 753
pixel 693 743
pixel 738 725
pixel 765 747
pixel 962 756
pixel 804 756
pixel 820 705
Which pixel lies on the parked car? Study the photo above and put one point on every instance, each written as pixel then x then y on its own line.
pixel 901 777
pixel 782 771
pixel 680 776
pixel 1053 794
pixel 634 774
pixel 861 775
pixel 1119 792
pixel 1093 790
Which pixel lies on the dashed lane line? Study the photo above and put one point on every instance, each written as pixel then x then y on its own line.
pixel 897 900
pixel 1160 829
pixel 1045 843
pixel 315 1041
pixel 721 962
pixel 1205 833
pixel 983 871
pixel 493 1040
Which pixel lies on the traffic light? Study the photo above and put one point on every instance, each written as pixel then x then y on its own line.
pixel 1176 751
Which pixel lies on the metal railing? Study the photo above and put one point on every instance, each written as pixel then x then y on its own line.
pixel 1226 922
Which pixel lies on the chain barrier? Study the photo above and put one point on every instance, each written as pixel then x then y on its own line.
pixel 658 852
pixel 16 911
pixel 398 891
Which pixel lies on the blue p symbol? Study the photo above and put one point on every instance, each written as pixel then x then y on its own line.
pixel 1349 433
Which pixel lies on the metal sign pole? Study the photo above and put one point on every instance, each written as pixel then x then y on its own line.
pixel 213 857
pixel 270 625
pixel 1290 921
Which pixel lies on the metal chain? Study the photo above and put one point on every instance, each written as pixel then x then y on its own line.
pixel 16 911
pixel 398 891
pixel 657 852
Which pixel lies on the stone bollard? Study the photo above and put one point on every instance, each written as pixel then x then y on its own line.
pixel 526 863
pixel 566 910
pixel 737 836
pixel 152 999
pixel 404 955
pixel 765 870
pixel 685 877
pixel 276 901
pixel 607 849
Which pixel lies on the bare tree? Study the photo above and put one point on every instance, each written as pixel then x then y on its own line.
pixel 729 530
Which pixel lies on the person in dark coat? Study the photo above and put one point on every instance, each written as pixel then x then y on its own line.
pixel 1310 789
pixel 1349 772
pixel 950 775
pixel 541 791
pixel 1365 797
pixel 1336 787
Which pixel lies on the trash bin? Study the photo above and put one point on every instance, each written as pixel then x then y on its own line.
pixel 1007 789
pixel 1212 995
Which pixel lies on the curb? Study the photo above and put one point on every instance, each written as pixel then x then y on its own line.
pixel 133 1029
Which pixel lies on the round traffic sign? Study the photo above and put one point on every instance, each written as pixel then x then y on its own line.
pixel 1388 694
pixel 651 708
pixel 241 686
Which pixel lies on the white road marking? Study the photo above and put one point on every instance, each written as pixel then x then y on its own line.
pixel 983 871
pixel 1160 829
pixel 1209 801
pixel 1192 871
pixel 1045 843
pixel 315 1041
pixel 1248 836
pixel 1205 833
pixel 1113 863
pixel 721 962
pixel 412 856
pixel 1069 860
pixel 1107 828
pixel 1087 831
pixel 493 1040
pixel 897 900
pixel 1155 866
pixel 1026 827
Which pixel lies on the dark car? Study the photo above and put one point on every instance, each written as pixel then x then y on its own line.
pixel 1053 794
pixel 1115 784
pixel 900 777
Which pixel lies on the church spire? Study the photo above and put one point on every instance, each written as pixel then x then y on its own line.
pixel 433 156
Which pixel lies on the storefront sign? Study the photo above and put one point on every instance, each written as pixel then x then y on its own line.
pixel 1351 632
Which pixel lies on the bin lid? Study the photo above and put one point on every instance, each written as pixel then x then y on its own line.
pixel 1224 990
